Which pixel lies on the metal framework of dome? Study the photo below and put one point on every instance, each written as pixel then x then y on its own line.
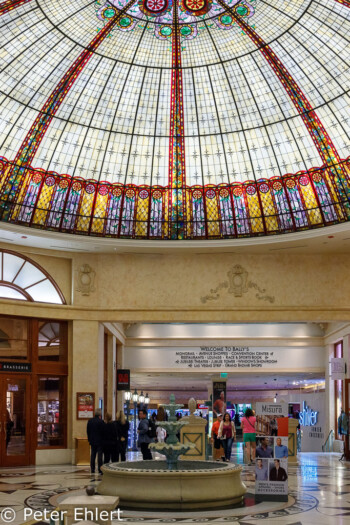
pixel 175 119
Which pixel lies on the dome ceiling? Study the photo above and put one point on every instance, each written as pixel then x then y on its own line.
pixel 175 118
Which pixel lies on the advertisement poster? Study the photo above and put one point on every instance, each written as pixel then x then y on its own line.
pixel 219 397
pixel 85 405
pixel 271 465
pixel 123 379
pixel 312 419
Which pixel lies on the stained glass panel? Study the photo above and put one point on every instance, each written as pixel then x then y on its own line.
pixel 173 99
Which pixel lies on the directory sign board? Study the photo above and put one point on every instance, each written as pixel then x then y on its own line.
pixel 223 359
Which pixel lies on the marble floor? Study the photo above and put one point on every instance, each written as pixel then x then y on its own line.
pixel 319 494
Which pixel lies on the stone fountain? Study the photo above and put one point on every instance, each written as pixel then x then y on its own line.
pixel 173 484
pixel 172 449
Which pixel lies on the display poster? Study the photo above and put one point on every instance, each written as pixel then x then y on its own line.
pixel 123 379
pixel 219 397
pixel 271 465
pixel 312 421
pixel 85 405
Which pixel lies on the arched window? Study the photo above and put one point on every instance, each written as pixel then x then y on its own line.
pixel 23 279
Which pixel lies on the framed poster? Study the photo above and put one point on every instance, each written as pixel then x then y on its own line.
pixel 85 405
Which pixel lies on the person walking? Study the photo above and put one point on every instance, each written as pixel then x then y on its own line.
pixel 9 427
pixel 144 438
pixel 214 438
pixel 273 427
pixel 95 433
pixel 123 434
pixel 249 434
pixel 110 440
pixel 227 433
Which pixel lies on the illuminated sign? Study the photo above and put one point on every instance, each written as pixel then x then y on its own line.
pixel 123 379
pixel 308 417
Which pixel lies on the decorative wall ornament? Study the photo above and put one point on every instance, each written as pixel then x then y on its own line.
pixel 86 279
pixel 237 280
pixel 237 284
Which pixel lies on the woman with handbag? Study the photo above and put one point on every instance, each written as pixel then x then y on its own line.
pixel 249 435
pixel 227 433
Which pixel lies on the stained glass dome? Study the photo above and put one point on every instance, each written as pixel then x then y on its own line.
pixel 175 119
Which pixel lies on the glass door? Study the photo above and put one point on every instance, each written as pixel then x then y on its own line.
pixel 14 420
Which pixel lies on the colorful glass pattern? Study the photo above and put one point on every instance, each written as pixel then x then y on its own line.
pixel 277 205
pixel 148 131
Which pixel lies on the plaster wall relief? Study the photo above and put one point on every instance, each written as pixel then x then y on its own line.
pixel 169 283
pixel 85 279
pixel 238 284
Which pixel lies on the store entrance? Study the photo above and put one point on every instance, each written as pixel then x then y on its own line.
pixel 14 420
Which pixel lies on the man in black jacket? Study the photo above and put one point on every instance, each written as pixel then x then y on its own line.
pixel 95 433
pixel 277 473
pixel 144 439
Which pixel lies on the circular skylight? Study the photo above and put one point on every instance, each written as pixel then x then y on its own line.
pixel 175 119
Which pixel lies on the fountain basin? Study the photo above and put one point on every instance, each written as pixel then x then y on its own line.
pixel 196 484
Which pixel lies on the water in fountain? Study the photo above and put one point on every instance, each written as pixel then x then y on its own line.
pixel 172 449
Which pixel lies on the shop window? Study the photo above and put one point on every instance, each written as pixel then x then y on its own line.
pixel 52 341
pixel 51 428
pixel 13 339
pixel 23 279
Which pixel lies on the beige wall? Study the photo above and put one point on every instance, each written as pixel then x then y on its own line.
pixel 85 371
pixel 144 287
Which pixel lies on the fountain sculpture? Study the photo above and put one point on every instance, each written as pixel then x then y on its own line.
pixel 172 449
pixel 173 484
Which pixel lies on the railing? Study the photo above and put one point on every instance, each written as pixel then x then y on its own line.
pixel 295 202
pixel 329 443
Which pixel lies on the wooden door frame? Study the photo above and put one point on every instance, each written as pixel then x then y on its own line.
pixel 17 461
pixel 346 405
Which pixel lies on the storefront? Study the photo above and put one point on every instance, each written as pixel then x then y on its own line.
pixel 33 388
